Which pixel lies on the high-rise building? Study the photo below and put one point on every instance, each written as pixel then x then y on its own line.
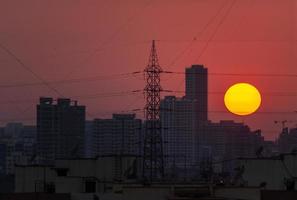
pixel 180 119
pixel 196 89
pixel 179 135
pixel 60 129
pixel 191 141
pixel 120 135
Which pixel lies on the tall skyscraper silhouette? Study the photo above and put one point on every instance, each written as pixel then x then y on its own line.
pixel 196 89
pixel 181 117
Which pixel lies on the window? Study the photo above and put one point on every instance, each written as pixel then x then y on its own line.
pixel 50 188
pixel 62 171
pixel 90 186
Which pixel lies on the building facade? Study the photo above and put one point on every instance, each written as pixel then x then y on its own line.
pixel 191 141
pixel 117 136
pixel 228 140
pixel 60 129
pixel 197 89
pixel 92 175
pixel 287 140
pixel 181 118
pixel 17 146
pixel 273 173
pixel 179 127
pixel 88 140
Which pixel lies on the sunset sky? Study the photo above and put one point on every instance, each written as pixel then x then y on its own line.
pixel 91 42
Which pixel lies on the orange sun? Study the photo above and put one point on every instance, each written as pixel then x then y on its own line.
pixel 242 99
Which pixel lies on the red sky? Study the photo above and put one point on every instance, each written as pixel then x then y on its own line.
pixel 67 39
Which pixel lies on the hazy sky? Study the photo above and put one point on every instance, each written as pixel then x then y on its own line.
pixel 76 39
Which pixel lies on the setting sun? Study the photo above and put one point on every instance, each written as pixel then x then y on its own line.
pixel 242 99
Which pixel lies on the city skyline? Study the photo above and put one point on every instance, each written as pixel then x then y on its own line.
pixel 223 36
pixel 148 99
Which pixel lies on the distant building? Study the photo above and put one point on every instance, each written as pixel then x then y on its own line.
pixel 191 141
pixel 229 139
pixel 60 129
pixel 270 148
pixel 197 89
pixel 17 146
pixel 117 136
pixel 179 134
pixel 89 140
pixel 13 130
pixel 2 159
pixel 29 134
pixel 181 117
pixel 287 140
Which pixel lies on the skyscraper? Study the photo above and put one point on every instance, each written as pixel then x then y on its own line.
pixel 60 129
pixel 181 118
pixel 196 89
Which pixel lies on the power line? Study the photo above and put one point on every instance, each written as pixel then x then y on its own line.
pixel 114 34
pixel 27 68
pixel 136 74
pixel 220 40
pixel 215 31
pixel 182 53
pixel 75 80
pixel 136 110
pixel 227 112
pixel 22 64
pixel 85 96
pixel 280 94
pixel 43 82
pixel 238 74
pixel 131 93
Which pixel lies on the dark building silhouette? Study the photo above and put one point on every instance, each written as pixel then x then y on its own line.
pixel 117 136
pixel 196 89
pixel 17 146
pixel 228 139
pixel 287 141
pixel 88 140
pixel 181 118
pixel 2 159
pixel 60 129
pixel 191 141
pixel 180 136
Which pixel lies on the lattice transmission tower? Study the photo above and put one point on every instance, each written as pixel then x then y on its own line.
pixel 153 166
